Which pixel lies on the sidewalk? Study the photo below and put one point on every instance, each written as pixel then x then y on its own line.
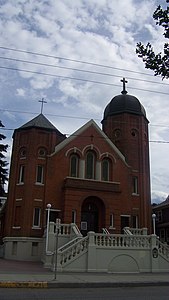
pixel 32 274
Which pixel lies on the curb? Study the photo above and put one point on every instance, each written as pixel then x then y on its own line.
pixel 45 284
pixel 23 284
pixel 105 284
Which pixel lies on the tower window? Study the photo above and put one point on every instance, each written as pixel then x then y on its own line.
pixel 36 217
pixel 74 164
pixel 111 220
pixel 135 185
pixel 134 132
pixel 90 165
pixel 73 216
pixel 117 133
pixel 23 153
pixel 21 174
pixel 39 174
pixel 42 152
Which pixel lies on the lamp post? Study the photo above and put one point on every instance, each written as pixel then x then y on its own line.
pixel 154 218
pixel 47 227
pixel 56 246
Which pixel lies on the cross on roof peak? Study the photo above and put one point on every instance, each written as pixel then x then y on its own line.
pixel 124 86
pixel 42 102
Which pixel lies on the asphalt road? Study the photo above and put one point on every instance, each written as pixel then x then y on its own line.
pixel 124 293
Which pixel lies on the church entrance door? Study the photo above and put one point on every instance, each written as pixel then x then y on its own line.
pixel 91 215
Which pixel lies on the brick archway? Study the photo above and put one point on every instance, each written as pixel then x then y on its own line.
pixel 92 215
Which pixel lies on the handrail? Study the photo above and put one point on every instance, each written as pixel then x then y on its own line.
pixel 69 244
pixel 163 250
pixel 73 251
pixel 105 231
pixel 127 231
pixel 76 230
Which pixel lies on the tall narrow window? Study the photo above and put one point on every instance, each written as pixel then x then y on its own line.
pixel 21 174
pixel 105 170
pixel 74 164
pixel 111 220
pixel 135 185
pixel 36 217
pixel 39 174
pixel 90 164
pixel 73 216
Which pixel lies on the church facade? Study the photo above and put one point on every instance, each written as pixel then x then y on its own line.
pixel 96 178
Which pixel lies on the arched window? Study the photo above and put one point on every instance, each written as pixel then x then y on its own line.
pixel 105 170
pixel 90 165
pixel 74 165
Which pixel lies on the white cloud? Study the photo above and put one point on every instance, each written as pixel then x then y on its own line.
pixel 20 92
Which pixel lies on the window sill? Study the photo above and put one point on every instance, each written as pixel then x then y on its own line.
pixel 20 183
pixel 16 227
pixel 34 227
pixel 135 194
pixel 39 183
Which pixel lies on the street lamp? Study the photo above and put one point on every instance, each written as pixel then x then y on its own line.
pixel 154 218
pixel 47 227
pixel 56 246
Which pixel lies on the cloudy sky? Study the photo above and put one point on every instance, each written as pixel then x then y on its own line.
pixel 73 53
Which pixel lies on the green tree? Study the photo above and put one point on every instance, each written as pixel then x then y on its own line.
pixel 159 62
pixel 3 163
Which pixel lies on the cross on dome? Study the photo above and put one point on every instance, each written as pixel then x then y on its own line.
pixel 124 86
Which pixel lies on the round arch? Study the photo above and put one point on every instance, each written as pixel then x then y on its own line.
pixel 92 215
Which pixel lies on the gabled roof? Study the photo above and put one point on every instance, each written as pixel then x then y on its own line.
pixel 80 131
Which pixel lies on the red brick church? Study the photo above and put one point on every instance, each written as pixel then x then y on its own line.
pixel 96 178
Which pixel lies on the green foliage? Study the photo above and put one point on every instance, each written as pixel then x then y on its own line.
pixel 3 163
pixel 159 62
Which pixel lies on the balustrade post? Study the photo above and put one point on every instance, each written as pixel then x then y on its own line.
pixel 144 231
pixel 154 254
pixel 51 237
pixel 91 259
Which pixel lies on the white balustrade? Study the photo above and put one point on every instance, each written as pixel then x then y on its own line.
pixel 122 241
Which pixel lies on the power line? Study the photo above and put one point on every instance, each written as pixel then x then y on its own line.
pixel 73 60
pixel 78 79
pixel 73 117
pixel 79 70
pixel 94 137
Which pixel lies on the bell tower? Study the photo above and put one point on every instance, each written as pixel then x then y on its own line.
pixel 126 125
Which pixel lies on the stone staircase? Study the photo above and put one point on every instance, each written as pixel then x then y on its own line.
pixel 134 251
